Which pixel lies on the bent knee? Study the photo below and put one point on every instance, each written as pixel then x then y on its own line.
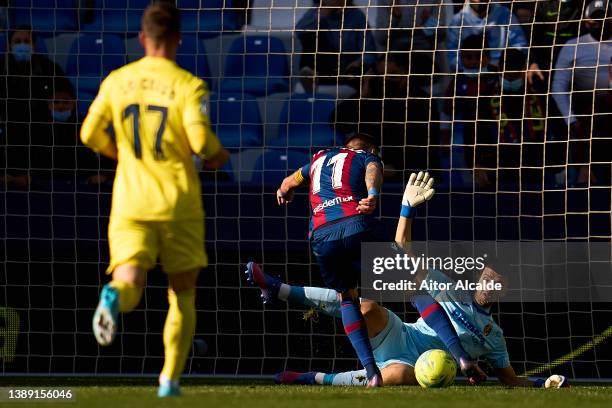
pixel 369 308
pixel 180 282
pixel 351 294
pixel 130 273
pixel 398 374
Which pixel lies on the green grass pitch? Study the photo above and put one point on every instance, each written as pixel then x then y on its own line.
pixel 116 393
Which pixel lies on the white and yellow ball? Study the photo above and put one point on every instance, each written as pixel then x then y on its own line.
pixel 435 368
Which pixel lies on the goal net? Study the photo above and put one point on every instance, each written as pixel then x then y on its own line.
pixel 442 85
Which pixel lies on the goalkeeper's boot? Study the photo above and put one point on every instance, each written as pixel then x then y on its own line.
pixel 269 285
pixel 556 381
pixel 168 388
pixel 470 369
pixel 292 377
pixel 106 316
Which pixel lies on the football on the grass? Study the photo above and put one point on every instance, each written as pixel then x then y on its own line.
pixel 435 368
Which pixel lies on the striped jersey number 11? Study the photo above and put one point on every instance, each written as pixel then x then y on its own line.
pixel 337 161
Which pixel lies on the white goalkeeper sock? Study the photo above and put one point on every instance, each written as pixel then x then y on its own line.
pixel 355 378
pixel 325 300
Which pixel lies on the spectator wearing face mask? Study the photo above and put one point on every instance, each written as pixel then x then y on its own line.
pixel 496 21
pixel 26 78
pixel 468 124
pixel 581 89
pixel 58 156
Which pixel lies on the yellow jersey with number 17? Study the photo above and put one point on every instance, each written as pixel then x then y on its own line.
pixel 154 108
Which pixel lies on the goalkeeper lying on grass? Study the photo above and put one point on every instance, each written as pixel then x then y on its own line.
pixel 466 330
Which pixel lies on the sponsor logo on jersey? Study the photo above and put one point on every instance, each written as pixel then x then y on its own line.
pixel 332 202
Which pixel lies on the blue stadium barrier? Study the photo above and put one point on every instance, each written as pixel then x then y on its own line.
pixel 305 122
pixel 256 64
pixel 236 120
pixel 192 56
pixel 92 57
pixel 44 16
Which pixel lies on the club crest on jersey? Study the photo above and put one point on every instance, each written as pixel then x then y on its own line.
pixel 487 329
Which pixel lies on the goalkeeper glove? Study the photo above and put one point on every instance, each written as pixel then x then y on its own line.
pixel 472 371
pixel 554 381
pixel 418 190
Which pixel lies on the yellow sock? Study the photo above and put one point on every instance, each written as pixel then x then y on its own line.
pixel 178 332
pixel 129 295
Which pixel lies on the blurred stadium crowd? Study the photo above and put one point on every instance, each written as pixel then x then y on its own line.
pixel 475 90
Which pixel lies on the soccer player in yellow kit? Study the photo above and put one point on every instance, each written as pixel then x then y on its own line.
pixel 158 112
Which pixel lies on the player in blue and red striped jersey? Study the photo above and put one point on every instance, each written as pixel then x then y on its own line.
pixel 466 329
pixel 418 190
pixel 344 187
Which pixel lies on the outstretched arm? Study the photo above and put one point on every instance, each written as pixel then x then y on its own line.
pixel 373 181
pixel 507 376
pixel 284 194
pixel 418 190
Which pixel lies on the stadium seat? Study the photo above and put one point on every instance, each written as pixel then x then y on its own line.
pixel 84 99
pixel 236 120
pixel 304 122
pixel 277 14
pixel 92 57
pixel 44 16
pixel 256 64
pixel 276 164
pixel 209 18
pixel 192 56
pixel 40 46
pixel 117 16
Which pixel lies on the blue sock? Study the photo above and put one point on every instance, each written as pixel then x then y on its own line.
pixel 357 332
pixel 328 379
pixel 436 318
pixel 297 295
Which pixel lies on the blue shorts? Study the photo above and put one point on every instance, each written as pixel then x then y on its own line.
pixel 401 343
pixel 337 248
